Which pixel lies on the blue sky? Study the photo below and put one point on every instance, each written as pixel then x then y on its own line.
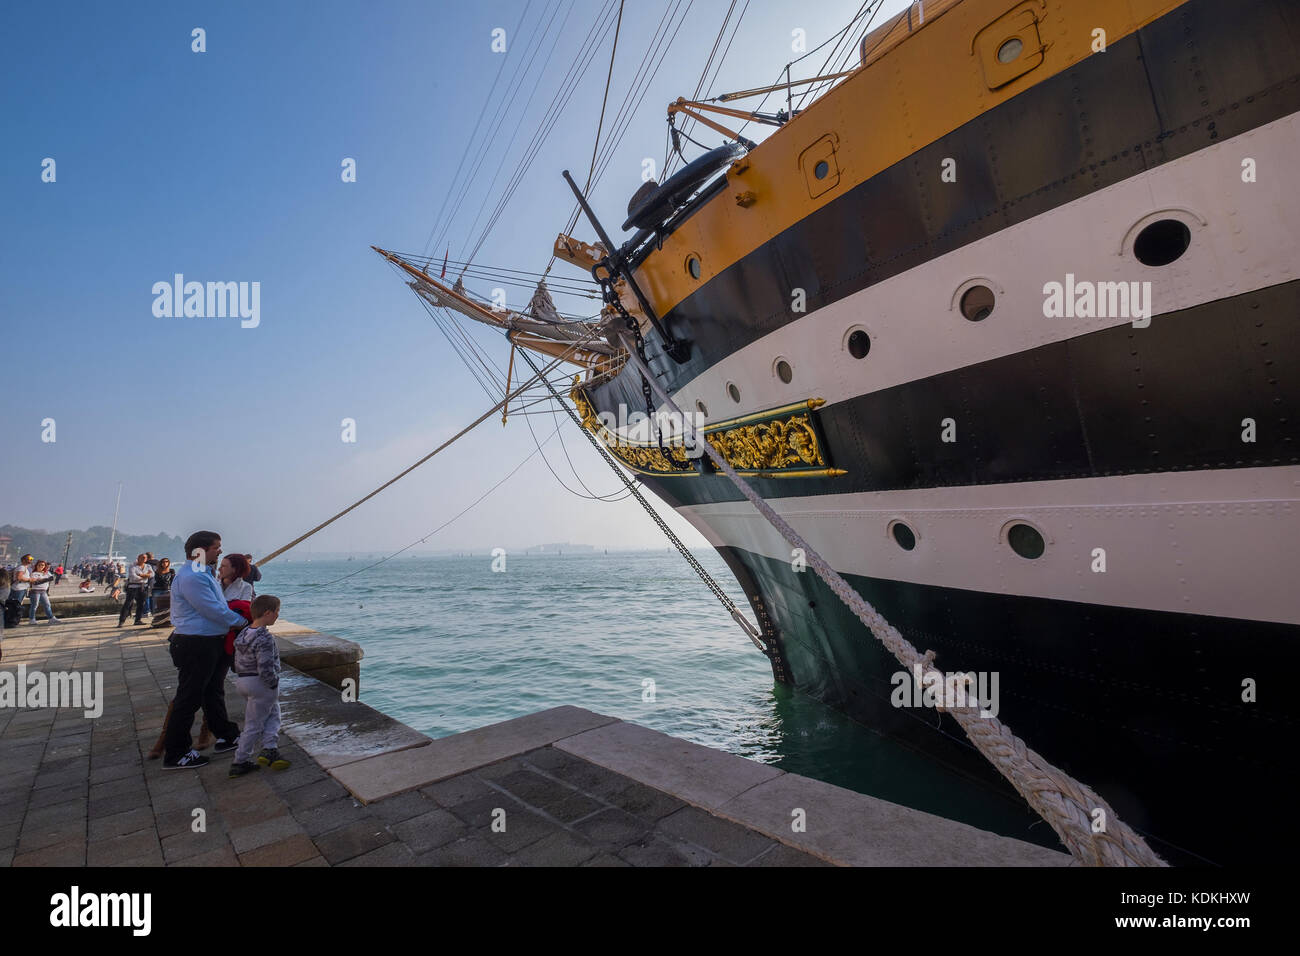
pixel 225 166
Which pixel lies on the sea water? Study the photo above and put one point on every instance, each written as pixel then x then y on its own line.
pixel 451 645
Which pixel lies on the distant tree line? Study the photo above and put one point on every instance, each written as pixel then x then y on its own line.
pixel 49 544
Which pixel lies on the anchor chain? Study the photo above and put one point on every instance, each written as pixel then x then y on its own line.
pixel 612 299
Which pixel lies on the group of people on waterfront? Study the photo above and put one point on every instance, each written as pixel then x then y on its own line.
pixel 102 572
pixel 29 581
pixel 220 623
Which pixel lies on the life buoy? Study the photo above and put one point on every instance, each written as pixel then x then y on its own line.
pixel 657 205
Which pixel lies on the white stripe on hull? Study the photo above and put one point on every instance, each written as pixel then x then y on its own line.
pixel 1248 242
pixel 1224 543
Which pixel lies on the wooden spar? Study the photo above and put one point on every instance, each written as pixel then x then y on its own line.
pixel 471 308
pixel 510 370
pixel 756 91
pixel 688 108
pixel 583 358
pixel 575 356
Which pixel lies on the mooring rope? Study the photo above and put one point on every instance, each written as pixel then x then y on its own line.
pixel 726 602
pixel 1067 805
pixel 406 471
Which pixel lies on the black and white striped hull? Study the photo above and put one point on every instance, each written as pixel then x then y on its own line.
pixel 1171 448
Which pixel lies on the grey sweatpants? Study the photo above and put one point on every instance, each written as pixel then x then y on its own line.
pixel 261 717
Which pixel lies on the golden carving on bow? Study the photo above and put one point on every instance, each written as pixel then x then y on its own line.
pixel 780 443
pixel 769 446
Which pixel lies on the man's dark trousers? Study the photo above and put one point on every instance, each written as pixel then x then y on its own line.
pixel 202 664
pixel 134 597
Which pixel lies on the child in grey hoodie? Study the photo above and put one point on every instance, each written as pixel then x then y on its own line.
pixel 257 678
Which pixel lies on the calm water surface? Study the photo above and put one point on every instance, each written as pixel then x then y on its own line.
pixel 450 646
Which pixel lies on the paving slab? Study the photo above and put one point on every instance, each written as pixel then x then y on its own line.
pixel 691 772
pixel 854 829
pixel 389 774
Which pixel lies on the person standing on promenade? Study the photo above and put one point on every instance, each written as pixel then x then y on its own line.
pixel 257 670
pixel 139 582
pixel 150 560
pixel 58 575
pixel 41 577
pixel 233 577
pixel 201 618
pixel 162 579
pixel 4 597
pixel 21 584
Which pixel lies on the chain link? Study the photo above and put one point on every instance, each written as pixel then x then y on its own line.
pixel 612 299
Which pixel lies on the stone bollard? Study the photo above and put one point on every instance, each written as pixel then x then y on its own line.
pixel 329 659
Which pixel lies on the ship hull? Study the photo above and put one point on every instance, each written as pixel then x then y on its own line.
pixel 1156 455
pixel 1144 706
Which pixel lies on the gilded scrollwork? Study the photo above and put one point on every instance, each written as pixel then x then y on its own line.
pixel 784 444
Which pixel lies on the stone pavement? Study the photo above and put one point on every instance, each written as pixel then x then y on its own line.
pixel 77 791
pixel 561 787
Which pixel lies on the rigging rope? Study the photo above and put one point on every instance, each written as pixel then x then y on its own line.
pixel 639 82
pixel 460 434
pixel 510 474
pixel 750 631
pixel 815 90
pixel 451 189
pixel 559 102
pixel 707 83
pixel 514 135
pixel 1066 804
pixel 604 100
pixel 589 493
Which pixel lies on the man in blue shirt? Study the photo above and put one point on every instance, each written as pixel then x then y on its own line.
pixel 201 618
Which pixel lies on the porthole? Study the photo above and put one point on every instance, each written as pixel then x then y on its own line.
pixel 1026 540
pixel 859 344
pixel 903 535
pixel 1010 50
pixel 701 408
pixel 733 392
pixel 977 303
pixel 783 371
pixel 1162 242
pixel 822 169
pixel 693 266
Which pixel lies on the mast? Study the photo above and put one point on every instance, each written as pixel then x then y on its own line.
pixel 113 534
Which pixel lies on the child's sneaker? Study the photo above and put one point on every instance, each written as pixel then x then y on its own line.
pixel 239 769
pixel 271 758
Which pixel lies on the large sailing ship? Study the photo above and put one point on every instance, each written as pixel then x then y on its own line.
pixel 1006 324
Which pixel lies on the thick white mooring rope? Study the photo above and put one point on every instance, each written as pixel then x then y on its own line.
pixel 1067 805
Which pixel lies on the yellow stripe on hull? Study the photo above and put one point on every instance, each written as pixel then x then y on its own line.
pixel 904 99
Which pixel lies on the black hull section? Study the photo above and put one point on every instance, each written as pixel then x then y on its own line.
pixel 1143 706
pixel 1114 402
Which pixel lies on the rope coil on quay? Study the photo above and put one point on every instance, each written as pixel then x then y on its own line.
pixel 1066 804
